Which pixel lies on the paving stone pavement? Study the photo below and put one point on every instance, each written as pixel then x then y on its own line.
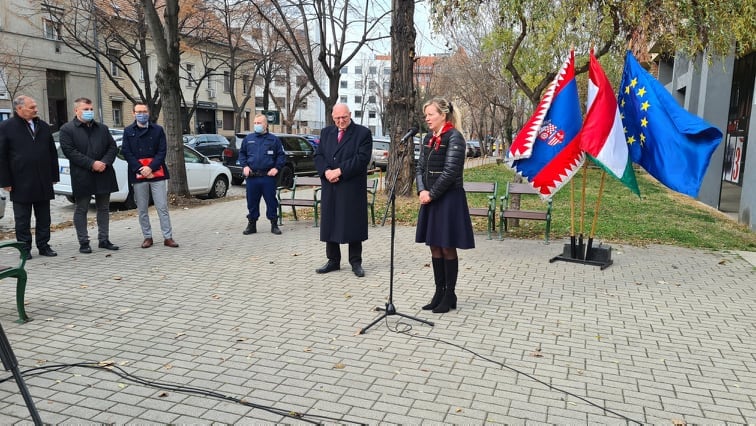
pixel 665 334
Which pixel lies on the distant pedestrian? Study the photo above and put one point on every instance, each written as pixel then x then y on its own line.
pixel 443 222
pixel 28 170
pixel 144 147
pixel 262 156
pixel 90 150
pixel 341 159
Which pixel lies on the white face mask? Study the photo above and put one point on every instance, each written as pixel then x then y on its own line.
pixel 259 128
pixel 87 115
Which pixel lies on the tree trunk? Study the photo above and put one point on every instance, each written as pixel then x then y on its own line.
pixel 166 37
pixel 401 102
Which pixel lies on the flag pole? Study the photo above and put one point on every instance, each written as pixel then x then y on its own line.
pixel 573 247
pixel 596 214
pixel 581 251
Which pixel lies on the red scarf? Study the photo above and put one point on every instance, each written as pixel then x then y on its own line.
pixel 435 141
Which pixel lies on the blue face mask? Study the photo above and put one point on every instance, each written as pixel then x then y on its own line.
pixel 259 128
pixel 142 118
pixel 87 115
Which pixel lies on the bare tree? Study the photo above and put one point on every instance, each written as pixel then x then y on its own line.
pixel 293 101
pixel 114 35
pixel 324 34
pixel 165 35
pixel 13 61
pixel 401 103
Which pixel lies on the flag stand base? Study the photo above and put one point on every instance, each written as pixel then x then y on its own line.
pixel 600 256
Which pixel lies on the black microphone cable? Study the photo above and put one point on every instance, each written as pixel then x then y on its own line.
pixel 408 327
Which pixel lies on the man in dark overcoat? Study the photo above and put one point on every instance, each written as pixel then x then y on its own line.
pixel 341 160
pixel 28 170
pixel 91 150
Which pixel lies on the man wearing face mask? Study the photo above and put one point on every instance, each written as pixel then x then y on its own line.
pixel 144 147
pixel 91 150
pixel 262 156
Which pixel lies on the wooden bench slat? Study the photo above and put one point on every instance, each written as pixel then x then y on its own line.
pixel 515 188
pixel 489 188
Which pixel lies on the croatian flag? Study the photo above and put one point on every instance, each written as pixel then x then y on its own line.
pixel 547 151
pixel 603 137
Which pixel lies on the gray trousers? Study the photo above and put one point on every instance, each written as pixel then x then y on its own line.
pixel 102 203
pixel 159 191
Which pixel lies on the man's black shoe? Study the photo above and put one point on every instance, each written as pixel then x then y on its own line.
pixel 47 251
pixel 328 267
pixel 357 269
pixel 107 245
pixel 85 248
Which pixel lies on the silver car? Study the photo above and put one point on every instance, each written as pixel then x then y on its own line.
pixel 380 158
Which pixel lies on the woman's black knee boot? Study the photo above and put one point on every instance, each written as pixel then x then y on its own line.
pixel 450 298
pixel 438 276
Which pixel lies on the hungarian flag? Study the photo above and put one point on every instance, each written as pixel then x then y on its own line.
pixel 546 151
pixel 603 137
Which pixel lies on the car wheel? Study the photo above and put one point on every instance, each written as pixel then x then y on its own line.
pixel 220 188
pixel 286 178
pixel 237 180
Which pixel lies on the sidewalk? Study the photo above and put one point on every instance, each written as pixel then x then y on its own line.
pixel 665 334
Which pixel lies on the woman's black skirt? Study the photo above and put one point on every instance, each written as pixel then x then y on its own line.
pixel 446 222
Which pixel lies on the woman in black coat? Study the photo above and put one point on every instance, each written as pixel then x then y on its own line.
pixel 443 221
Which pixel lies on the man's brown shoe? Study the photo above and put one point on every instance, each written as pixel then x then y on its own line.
pixel 147 243
pixel 170 243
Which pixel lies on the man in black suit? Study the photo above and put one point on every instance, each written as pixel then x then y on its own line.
pixel 28 170
pixel 341 159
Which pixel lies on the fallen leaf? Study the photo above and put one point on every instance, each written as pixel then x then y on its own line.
pixel 537 353
pixel 458 410
pixel 723 261
pixel 168 366
pixel 163 394
pixel 106 363
pixel 339 366
pixel 308 349
pixel 83 286
pixel 661 282
pixel 117 278
pixel 241 339
pixel 678 422
pixel 179 335
pixel 216 296
pixel 121 385
pixel 347 296
pixel 124 362
pixel 41 361
pixel 598 337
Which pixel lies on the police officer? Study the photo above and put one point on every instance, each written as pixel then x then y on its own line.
pixel 263 156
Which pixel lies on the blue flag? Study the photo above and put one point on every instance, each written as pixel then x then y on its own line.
pixel 673 145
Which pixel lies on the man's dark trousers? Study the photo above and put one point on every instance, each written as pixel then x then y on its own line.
pixel 265 187
pixel 22 216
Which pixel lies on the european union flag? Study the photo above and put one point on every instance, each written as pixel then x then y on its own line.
pixel 673 145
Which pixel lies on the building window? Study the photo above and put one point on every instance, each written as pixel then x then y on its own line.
pixel 117 107
pixel 258 102
pixel 281 102
pixel 373 70
pixel 3 85
pixel 303 103
pixel 371 114
pixel 228 120
pixel 245 84
pixel 358 99
pixel 371 99
pixel 189 75
pixel 372 85
pixel 114 56
pixel 226 81
pixel 386 71
pixel 345 70
pixel 51 29
pixel 342 99
pixel 385 87
pixel 143 71
pixel 358 70
pixel 358 84
pixel 343 84
pixel 279 80
pixel 358 113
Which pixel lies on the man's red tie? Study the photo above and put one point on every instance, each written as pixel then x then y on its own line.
pixel 341 135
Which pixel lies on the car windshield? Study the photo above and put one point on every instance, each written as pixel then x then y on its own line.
pixel 381 145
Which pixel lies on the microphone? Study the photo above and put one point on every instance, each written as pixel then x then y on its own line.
pixel 410 133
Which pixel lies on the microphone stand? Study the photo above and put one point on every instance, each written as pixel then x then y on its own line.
pixel 11 363
pixel 390 308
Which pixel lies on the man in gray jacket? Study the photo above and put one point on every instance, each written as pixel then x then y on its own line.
pixel 91 150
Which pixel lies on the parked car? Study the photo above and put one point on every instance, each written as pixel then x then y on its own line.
pixel 417 142
pixel 314 140
pixel 3 200
pixel 473 149
pixel 205 178
pixel 380 158
pixel 209 145
pixel 300 159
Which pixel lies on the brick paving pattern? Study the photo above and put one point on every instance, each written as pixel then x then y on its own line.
pixel 664 334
